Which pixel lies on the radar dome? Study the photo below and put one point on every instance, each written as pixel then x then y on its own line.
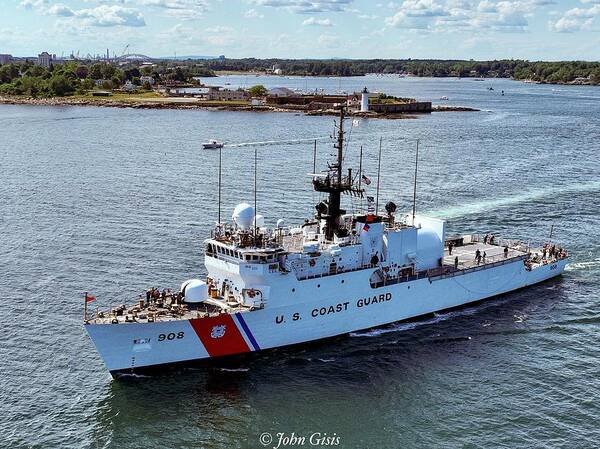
pixel 280 223
pixel 194 291
pixel 243 215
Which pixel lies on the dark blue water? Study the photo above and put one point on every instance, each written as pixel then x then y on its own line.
pixel 116 200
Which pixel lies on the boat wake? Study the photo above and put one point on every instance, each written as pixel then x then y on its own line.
pixel 274 142
pixel 532 195
pixel 234 370
pixel 584 265
pixel 437 318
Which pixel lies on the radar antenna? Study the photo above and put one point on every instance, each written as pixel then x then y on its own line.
pixel 334 183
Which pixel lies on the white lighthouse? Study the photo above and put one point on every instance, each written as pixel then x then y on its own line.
pixel 364 101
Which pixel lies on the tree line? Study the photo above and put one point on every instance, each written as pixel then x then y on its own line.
pixel 75 77
pixel 545 72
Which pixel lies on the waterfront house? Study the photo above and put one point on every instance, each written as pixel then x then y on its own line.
pixel 147 79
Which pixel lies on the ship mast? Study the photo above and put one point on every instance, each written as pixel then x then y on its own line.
pixel 335 184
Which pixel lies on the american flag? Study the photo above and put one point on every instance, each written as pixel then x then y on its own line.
pixel 366 179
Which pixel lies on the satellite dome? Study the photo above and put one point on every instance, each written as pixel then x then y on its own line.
pixel 280 223
pixel 194 291
pixel 243 215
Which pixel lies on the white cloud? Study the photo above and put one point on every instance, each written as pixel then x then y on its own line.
pixel 328 40
pixel 60 10
pixel 30 4
pixel 98 16
pixel 108 16
pixel 182 9
pixel 578 19
pixel 307 6
pixel 313 21
pixel 459 15
pixel 253 14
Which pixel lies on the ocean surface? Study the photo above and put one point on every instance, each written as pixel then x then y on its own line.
pixel 113 201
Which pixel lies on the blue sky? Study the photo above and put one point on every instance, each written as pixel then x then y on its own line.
pixel 478 29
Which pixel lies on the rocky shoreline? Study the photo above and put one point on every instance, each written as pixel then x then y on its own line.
pixel 165 103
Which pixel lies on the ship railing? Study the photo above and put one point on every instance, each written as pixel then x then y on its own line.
pixel 447 271
pixel 498 241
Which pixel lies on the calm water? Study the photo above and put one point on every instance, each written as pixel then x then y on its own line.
pixel 116 200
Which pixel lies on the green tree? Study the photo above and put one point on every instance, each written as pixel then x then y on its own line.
pixel 96 71
pixel 60 86
pixel 258 91
pixel 8 73
pixel 82 72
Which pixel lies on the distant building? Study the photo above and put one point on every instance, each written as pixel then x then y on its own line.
pixel 275 70
pixel 282 92
pixel 215 93
pixel 147 79
pixel 256 101
pixel 129 86
pixel 5 59
pixel 45 59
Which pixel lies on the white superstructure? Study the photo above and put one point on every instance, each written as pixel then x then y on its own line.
pixel 335 274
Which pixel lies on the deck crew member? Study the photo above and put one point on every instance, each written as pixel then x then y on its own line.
pixel 484 255
pixel 456 263
pixel 450 246
pixel 506 251
pixel 478 256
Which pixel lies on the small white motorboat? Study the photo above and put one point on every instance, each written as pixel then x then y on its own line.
pixel 212 145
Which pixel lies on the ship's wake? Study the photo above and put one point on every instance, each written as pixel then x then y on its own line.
pixel 526 197
pixel 274 142
pixel 401 327
pixel 589 265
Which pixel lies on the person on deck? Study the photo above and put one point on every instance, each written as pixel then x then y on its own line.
pixel 484 255
pixel 456 263
pixel 478 256
pixel 505 252
pixel 450 246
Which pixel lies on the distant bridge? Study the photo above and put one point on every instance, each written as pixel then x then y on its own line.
pixel 133 57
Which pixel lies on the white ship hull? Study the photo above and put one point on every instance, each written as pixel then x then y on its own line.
pixel 346 302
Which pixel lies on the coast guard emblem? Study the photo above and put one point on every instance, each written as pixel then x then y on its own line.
pixel 218 331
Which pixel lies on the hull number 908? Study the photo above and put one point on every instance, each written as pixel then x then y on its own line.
pixel 171 336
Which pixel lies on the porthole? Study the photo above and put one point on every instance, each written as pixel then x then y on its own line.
pixel 342 281
pixel 318 285
pixel 293 290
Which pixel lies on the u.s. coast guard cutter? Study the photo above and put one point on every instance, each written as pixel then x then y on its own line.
pixel 334 274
